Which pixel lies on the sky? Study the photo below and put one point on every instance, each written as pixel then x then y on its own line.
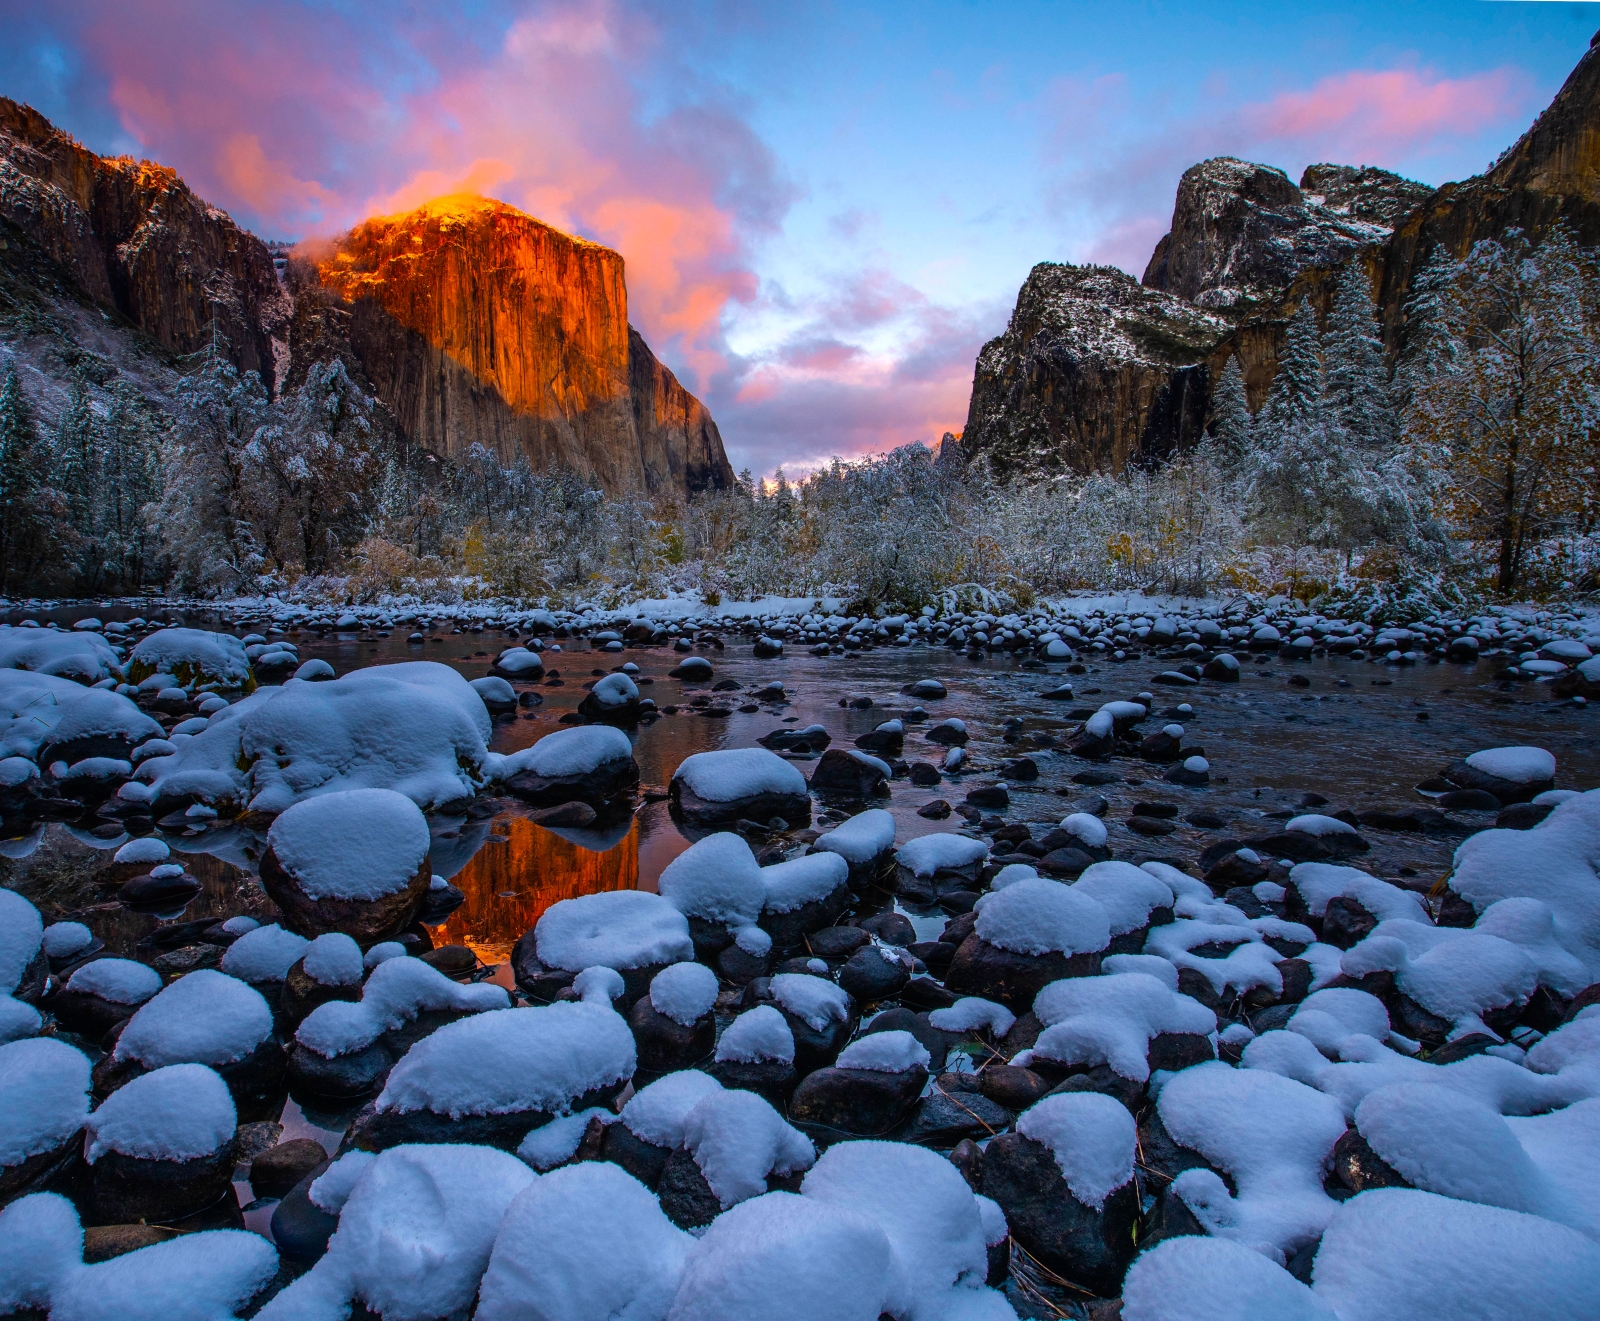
pixel 825 209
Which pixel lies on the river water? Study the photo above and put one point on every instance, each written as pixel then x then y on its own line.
pixel 1361 735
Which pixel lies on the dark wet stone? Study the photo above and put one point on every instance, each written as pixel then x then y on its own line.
pixel 302 993
pixel 688 806
pixel 1463 776
pixel 925 690
pixel 367 921
pixel 844 776
pixel 943 1119
pixel 1101 1078
pixel 1358 1167
pixel 664 1044
pixel 644 1160
pixel 790 929
pixel 935 954
pixel 1149 825
pixel 300 1228
pixel 990 797
pixel 837 943
pixel 902 1019
pixel 1089 1247
pixel 856 1102
pixel 276 1170
pixel 159 893
pixel 1012 979
pixel 773 1079
pixel 925 995
pixel 103 1242
pixel 1345 922
pixel 924 774
pixel 1012 1086
pixel 937 810
pixel 686 1197
pixel 33 1173
pixel 1173 1051
pixel 574 815
pixel 1069 861
pixel 870 976
pixel 1197 986
pixel 1523 816
pixel 127 1189
pixel 452 960
pixel 375 1130
pixel 88 1015
pixel 1469 800
pixel 741 967
pixel 882 742
pixel 1169 1218
pixel 892 928
pixel 1474 1043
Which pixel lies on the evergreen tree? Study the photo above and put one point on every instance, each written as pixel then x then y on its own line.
pixel 81 482
pixel 20 476
pixel 1297 389
pixel 130 486
pixel 1230 412
pixel 1358 400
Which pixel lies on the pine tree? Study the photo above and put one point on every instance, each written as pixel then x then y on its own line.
pixel 1230 412
pixel 1358 400
pixel 130 486
pixel 1298 387
pixel 79 479
pixel 20 463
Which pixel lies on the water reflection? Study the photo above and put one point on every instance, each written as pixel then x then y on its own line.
pixel 518 872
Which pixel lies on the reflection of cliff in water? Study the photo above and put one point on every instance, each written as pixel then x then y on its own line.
pixel 509 884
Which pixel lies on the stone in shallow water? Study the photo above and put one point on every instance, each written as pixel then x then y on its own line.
pixel 275 1171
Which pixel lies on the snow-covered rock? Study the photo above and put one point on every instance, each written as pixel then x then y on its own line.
pixel 717 788
pixel 192 656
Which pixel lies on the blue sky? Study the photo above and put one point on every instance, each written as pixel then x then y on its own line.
pixel 825 209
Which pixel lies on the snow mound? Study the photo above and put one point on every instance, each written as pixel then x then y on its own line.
pixel 1531 925
pixel 924 1208
pixel 1330 1017
pixel 80 657
pixel 737 1139
pixel 414 1237
pixel 1151 965
pixel 1126 892
pixel 557 1142
pixel 729 774
pixel 21 936
pixel 1319 882
pixel 191 656
pixel 1250 962
pixel 176 1113
pixel 1557 863
pixel 585 1243
pixel 205 1017
pixel 1042 917
pixel 1111 1019
pixel 717 879
pixel 1313 824
pixel 790 885
pixel 1090 829
pixel 941 851
pixel 509 1060
pixel 334 960
pixel 614 691
pixel 121 981
pixel 612 929
pixel 1092 1137
pixel 1271 1134
pixel 783 1257
pixel 1456 974
pixel 756 1035
pixel 1213 1279
pixel 971 1013
pixel 61 940
pixel 398 990
pixel 814 1000
pixel 1381 1257
pixel 885 1052
pixel 1518 765
pixel 351 844
pixel 685 992
pixel 656 1113
pixel 44 1098
pixel 1443 1142
pixel 263 955
pixel 862 837
pixel 567 752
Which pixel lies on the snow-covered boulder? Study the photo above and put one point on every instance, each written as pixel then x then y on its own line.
pixel 590 764
pixel 207 1276
pixel 1028 935
pixel 354 861
pixel 101 993
pixel 416 727
pixel 871 1088
pixel 1064 1179
pixel 44 1100
pixel 161 1147
pixel 732 1142
pixel 631 931
pixel 205 1017
pixel 417 1226
pixel 193 657
pixel 1513 775
pixel 1127 1022
pixel 1555 862
pixel 82 658
pixel 673 1026
pixel 613 700
pixel 519 665
pixel 719 788
pixel 804 895
pixel 717 884
pixel 24 966
pixel 493 1077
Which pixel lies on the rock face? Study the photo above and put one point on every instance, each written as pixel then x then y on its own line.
pixel 478 324
pixel 472 322
pixel 1094 371
pixel 133 238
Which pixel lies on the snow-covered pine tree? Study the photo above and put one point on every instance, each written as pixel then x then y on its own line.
pixel 1358 400
pixel 130 486
pixel 1230 412
pixel 1298 386
pixel 78 476
pixel 20 476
